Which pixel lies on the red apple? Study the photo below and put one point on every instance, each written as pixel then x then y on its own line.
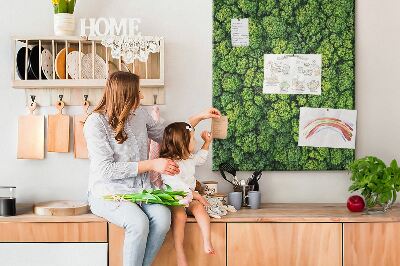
pixel 355 203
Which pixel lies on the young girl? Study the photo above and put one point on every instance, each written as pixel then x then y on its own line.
pixel 179 145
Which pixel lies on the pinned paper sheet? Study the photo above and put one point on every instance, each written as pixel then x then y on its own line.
pixel 292 74
pixel 240 32
pixel 219 127
pixel 333 128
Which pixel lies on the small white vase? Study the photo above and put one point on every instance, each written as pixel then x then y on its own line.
pixel 64 24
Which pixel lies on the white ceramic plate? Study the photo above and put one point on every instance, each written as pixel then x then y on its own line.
pixel 73 64
pixel 100 67
pixel 47 64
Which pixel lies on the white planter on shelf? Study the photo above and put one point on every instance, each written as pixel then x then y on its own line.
pixel 64 24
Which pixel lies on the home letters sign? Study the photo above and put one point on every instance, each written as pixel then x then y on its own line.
pixel 109 26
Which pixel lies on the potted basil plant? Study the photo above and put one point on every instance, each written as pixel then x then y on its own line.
pixel 64 20
pixel 376 182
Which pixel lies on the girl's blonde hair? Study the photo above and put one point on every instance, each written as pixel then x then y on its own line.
pixel 121 96
pixel 176 140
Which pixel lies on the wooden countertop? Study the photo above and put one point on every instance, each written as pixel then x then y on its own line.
pixel 25 215
pixel 285 212
pixel 305 212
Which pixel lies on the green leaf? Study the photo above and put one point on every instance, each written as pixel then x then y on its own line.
pixel 63 6
pixel 166 197
pixel 71 6
pixel 377 182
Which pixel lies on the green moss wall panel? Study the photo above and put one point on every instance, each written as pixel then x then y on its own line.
pixel 263 129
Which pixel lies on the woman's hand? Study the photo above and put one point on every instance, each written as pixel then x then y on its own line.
pixel 165 166
pixel 209 113
pixel 200 198
pixel 160 165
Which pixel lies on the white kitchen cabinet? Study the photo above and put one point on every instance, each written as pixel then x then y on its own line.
pixel 53 254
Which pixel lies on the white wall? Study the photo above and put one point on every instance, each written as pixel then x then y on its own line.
pixel 187 27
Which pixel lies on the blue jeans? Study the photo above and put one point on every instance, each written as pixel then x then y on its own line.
pixel 145 227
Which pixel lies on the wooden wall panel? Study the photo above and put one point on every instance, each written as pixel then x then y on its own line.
pixel 372 244
pixel 284 244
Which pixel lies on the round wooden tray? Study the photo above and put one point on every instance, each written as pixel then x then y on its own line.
pixel 61 208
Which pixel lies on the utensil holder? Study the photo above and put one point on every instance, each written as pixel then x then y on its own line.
pixel 245 191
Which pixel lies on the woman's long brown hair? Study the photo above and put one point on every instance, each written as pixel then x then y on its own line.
pixel 120 97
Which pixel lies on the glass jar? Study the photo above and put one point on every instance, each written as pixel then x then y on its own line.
pixel 7 201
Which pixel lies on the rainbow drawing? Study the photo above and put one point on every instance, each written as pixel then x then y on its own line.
pixel 315 126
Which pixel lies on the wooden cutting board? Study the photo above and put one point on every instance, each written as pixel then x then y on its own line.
pixel 61 208
pixel 31 135
pixel 58 131
pixel 80 149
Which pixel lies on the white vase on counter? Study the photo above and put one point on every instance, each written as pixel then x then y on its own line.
pixel 64 24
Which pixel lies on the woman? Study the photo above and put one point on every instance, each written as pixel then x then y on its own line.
pixel 116 134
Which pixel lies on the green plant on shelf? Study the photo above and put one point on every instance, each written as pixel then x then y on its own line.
pixel 376 182
pixel 64 6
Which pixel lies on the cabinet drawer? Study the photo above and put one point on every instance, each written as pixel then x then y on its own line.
pixel 51 254
pixel 166 257
pixel 285 244
pixel 53 232
pixel 370 244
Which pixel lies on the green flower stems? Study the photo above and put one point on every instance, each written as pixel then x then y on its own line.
pixel 64 6
pixel 166 197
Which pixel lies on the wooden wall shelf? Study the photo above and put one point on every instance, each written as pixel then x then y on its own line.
pixel 151 73
pixel 71 84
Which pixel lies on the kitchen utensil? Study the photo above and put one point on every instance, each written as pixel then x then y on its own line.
pixel 255 177
pixel 21 56
pixel 7 201
pixel 80 149
pixel 225 167
pixel 219 127
pixel 235 199
pixel 99 67
pixel 245 189
pixel 210 187
pixel 34 62
pixel 73 64
pixel 47 64
pixel 254 199
pixel 61 208
pixel 31 135
pixel 58 130
pixel 61 62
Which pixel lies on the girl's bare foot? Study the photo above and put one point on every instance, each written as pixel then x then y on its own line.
pixel 209 249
